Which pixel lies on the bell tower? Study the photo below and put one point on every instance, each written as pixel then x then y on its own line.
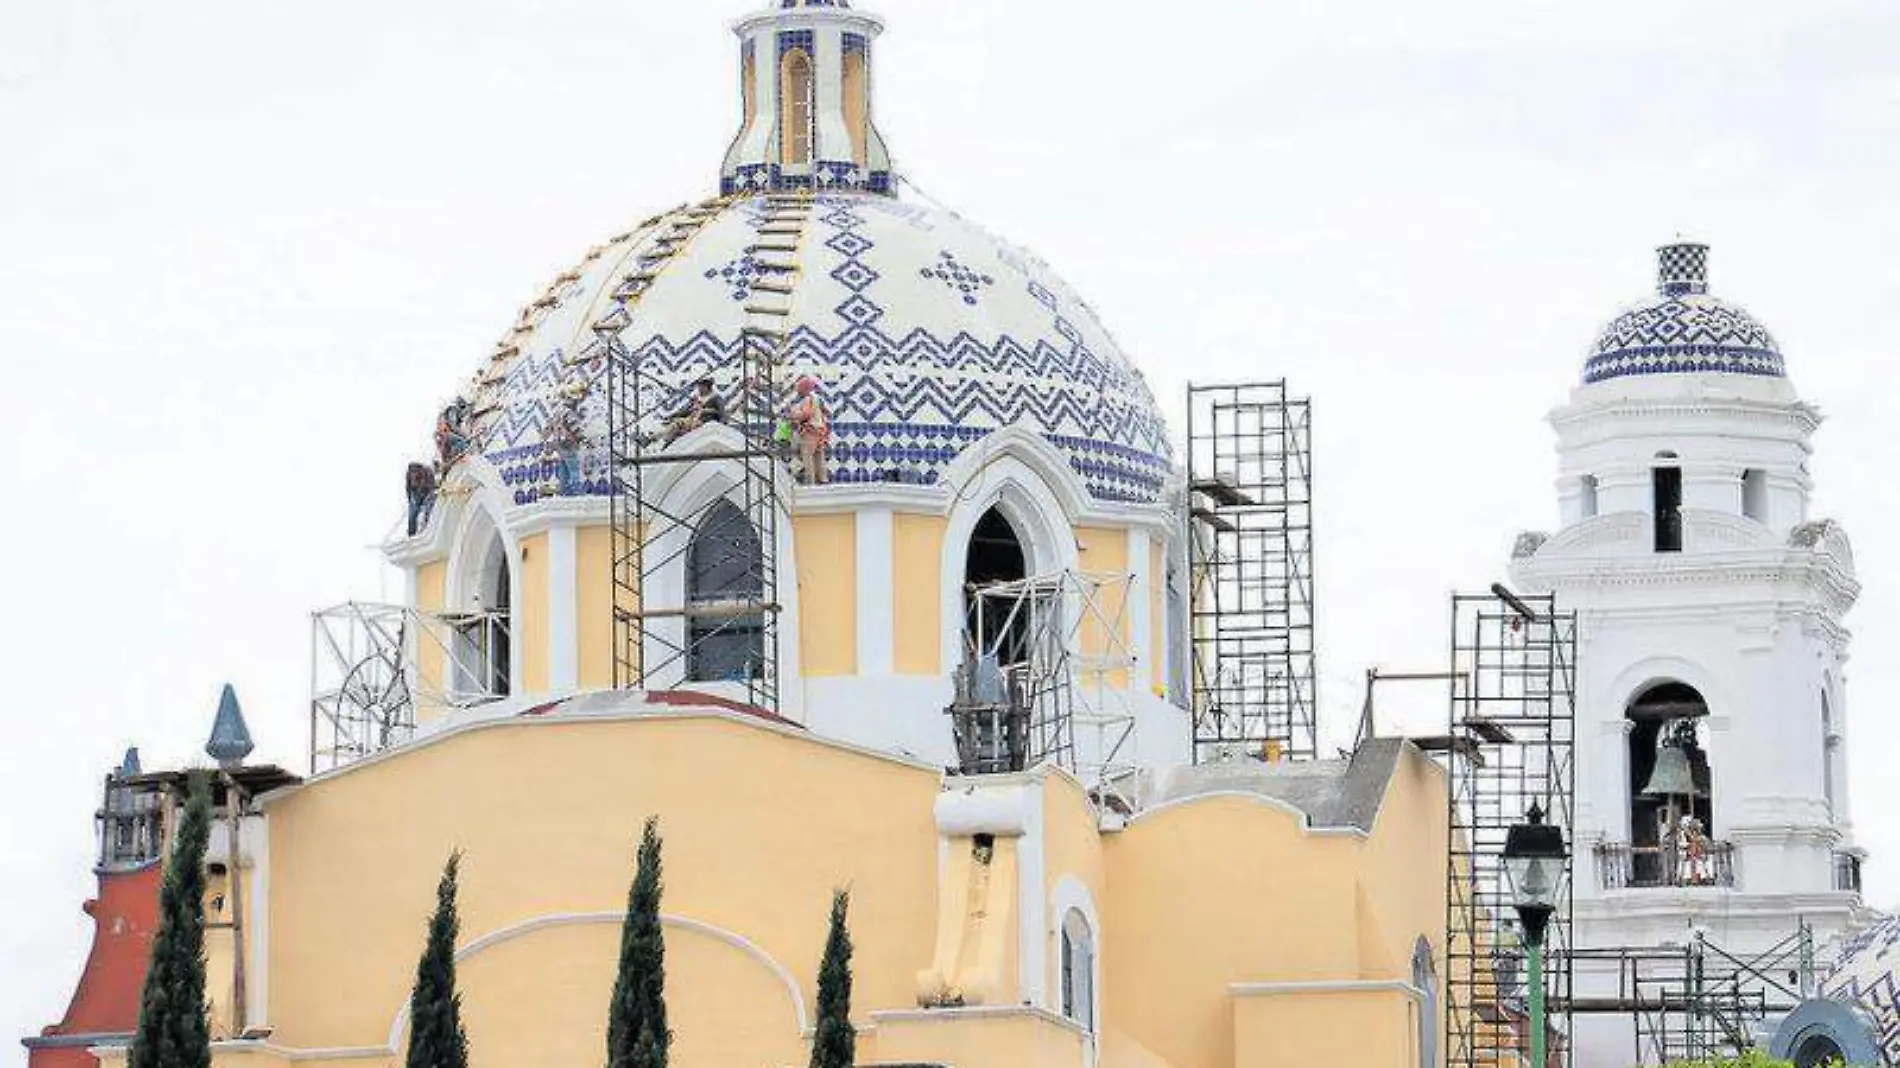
pixel 1711 700
pixel 805 79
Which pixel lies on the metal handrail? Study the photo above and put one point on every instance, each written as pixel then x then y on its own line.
pixel 1622 866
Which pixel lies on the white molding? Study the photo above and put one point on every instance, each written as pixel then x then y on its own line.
pixel 1032 858
pixel 1327 986
pixel 633 711
pixel 1304 821
pixel 616 918
pixel 980 1012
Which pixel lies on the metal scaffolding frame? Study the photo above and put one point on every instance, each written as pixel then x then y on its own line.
pixel 1053 683
pixel 369 681
pixel 1251 610
pixel 1510 744
pixel 661 645
pixel 1697 1001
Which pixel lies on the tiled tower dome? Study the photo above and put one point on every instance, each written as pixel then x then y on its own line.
pixel 1683 330
pixel 926 332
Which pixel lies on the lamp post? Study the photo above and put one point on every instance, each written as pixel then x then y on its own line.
pixel 1534 862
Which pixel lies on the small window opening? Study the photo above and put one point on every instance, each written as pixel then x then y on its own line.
pixel 1425 978
pixel 1755 495
pixel 1587 495
pixel 1078 970
pixel 1830 751
pixel 1668 487
pixel 724 591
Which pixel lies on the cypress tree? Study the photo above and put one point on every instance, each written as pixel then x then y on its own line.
pixel 436 1038
pixel 835 1045
pixel 173 1030
pixel 637 1035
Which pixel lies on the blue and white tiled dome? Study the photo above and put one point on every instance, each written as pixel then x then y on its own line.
pixel 1684 330
pixel 927 333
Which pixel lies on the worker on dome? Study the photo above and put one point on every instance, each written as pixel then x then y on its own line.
pixel 704 406
pixel 451 436
pixel 811 429
pixel 419 485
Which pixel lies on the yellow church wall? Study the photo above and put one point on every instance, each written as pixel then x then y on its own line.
pixel 432 595
pixel 827 548
pixel 547 813
pixel 520 1011
pixel 1408 843
pixel 916 593
pixel 593 603
pixel 1104 551
pixel 531 614
pixel 1307 1026
pixel 1218 891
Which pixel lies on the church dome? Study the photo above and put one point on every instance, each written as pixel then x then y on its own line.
pixel 925 332
pixel 1684 330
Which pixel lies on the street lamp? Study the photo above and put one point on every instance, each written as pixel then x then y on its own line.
pixel 1534 861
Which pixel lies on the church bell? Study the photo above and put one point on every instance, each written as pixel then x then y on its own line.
pixel 1673 776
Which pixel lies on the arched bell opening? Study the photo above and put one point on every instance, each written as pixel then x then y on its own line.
pixel 1671 803
pixel 997 621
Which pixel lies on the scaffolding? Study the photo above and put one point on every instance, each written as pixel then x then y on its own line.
pixel 375 668
pixel 1697 1001
pixel 1251 612
pixel 1047 678
pixel 724 629
pixel 1510 746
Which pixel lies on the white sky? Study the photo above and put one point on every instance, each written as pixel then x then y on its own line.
pixel 246 249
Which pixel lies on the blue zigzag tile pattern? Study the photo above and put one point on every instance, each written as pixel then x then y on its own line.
pixel 1862 974
pixel 927 333
pixel 1684 334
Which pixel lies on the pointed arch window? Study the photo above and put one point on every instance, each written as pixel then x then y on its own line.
pixel 725 588
pixel 1425 978
pixel 1078 970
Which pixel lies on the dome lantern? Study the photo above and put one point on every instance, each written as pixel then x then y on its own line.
pixel 1682 268
pixel 805 81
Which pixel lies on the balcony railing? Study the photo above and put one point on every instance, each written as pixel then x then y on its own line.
pixel 1847 872
pixel 1621 866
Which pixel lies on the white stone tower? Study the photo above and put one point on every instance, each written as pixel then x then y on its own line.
pixel 1711 703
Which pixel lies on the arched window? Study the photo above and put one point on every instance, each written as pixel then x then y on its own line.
pixel 1425 978
pixel 1666 789
pixel 1587 496
pixel 484 649
pixel 795 109
pixel 1078 970
pixel 725 588
pixel 857 97
pixel 996 556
